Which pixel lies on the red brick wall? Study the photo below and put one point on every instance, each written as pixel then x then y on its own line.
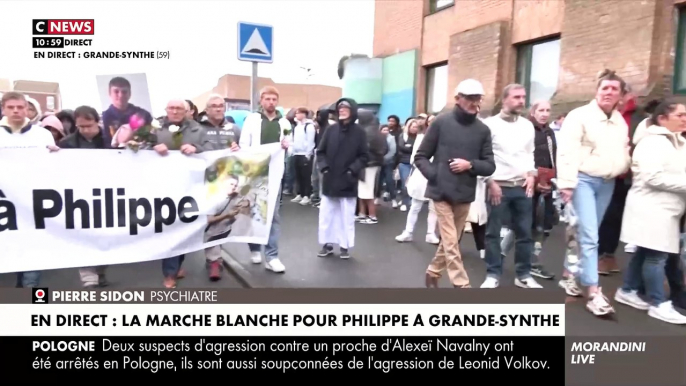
pixel 397 26
pixel 479 53
pixel 613 34
pixel 463 16
pixel 634 37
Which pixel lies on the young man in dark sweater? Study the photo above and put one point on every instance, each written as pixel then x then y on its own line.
pixel 87 136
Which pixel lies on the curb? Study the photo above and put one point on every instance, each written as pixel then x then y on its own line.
pixel 235 269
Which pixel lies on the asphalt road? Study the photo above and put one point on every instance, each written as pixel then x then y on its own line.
pixel 135 275
pixel 379 261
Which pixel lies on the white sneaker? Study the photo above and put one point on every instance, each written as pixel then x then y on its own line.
pixel 394 204
pixel 503 232
pixel 360 218
pixel 404 237
pixel 599 305
pixel 468 227
pixel 305 201
pixel 376 201
pixel 256 257
pixel 490 282
pixel 630 248
pixel 297 198
pixel 527 283
pixel 631 299
pixel 482 253
pixel 569 285
pixel 275 265
pixel 432 239
pixel 403 208
pixel 666 313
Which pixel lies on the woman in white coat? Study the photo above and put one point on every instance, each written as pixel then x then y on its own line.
pixel 416 187
pixel 654 206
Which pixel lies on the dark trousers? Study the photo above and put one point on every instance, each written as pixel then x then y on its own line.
pixel 172 265
pixel 515 203
pixel 611 226
pixel 479 233
pixel 548 212
pixel 303 174
pixel 386 183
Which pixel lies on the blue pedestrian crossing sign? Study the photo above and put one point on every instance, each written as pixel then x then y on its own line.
pixel 255 42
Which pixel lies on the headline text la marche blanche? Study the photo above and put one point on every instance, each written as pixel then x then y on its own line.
pixel 297 320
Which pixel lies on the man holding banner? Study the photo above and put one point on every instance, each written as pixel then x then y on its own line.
pixel 260 128
pixel 178 133
pixel 18 132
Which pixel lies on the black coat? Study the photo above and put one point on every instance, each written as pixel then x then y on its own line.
pixel 405 147
pixel 542 150
pixel 76 141
pixel 455 134
pixel 378 147
pixel 342 156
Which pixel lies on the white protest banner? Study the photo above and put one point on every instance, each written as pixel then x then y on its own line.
pixel 77 208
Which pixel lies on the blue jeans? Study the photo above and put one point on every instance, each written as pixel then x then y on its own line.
pixel 590 201
pixel 28 279
pixel 519 206
pixel 172 265
pixel 404 171
pixel 647 268
pixel 386 178
pixel 271 250
pixel 289 174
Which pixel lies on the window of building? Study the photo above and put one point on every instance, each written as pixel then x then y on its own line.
pixel 538 69
pixel 680 63
pixel 436 88
pixel 437 5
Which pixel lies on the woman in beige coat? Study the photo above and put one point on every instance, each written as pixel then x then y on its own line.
pixel 654 206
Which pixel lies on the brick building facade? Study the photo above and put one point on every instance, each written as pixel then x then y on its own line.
pixel 236 89
pixel 554 47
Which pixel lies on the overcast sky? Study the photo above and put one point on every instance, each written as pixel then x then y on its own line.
pixel 201 38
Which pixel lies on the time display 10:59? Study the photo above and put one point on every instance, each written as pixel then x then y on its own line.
pixel 48 42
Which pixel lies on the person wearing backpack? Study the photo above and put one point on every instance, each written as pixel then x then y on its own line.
pixel 303 151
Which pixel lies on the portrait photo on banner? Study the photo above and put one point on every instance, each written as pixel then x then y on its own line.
pixel 238 195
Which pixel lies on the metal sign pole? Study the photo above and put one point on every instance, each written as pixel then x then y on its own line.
pixel 253 88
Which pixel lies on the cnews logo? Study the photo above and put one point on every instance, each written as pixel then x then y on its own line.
pixel 40 295
pixel 63 27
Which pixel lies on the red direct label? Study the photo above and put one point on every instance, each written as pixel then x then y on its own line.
pixel 71 27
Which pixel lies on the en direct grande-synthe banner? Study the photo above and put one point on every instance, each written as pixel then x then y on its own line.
pixel 76 208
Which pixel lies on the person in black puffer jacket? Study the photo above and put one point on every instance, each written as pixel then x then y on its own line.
pixel 377 149
pixel 342 156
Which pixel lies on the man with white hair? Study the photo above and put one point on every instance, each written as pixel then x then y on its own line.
pixel 177 132
pixel 221 133
pixel 460 145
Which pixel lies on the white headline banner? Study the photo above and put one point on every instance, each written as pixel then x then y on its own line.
pixel 76 208
pixel 282 319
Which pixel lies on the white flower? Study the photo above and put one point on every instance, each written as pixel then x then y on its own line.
pixel 173 128
pixel 156 124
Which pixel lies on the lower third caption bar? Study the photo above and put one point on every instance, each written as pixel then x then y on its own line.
pixel 174 358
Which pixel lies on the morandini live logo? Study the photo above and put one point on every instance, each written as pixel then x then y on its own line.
pixel 104 210
pixel 63 26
